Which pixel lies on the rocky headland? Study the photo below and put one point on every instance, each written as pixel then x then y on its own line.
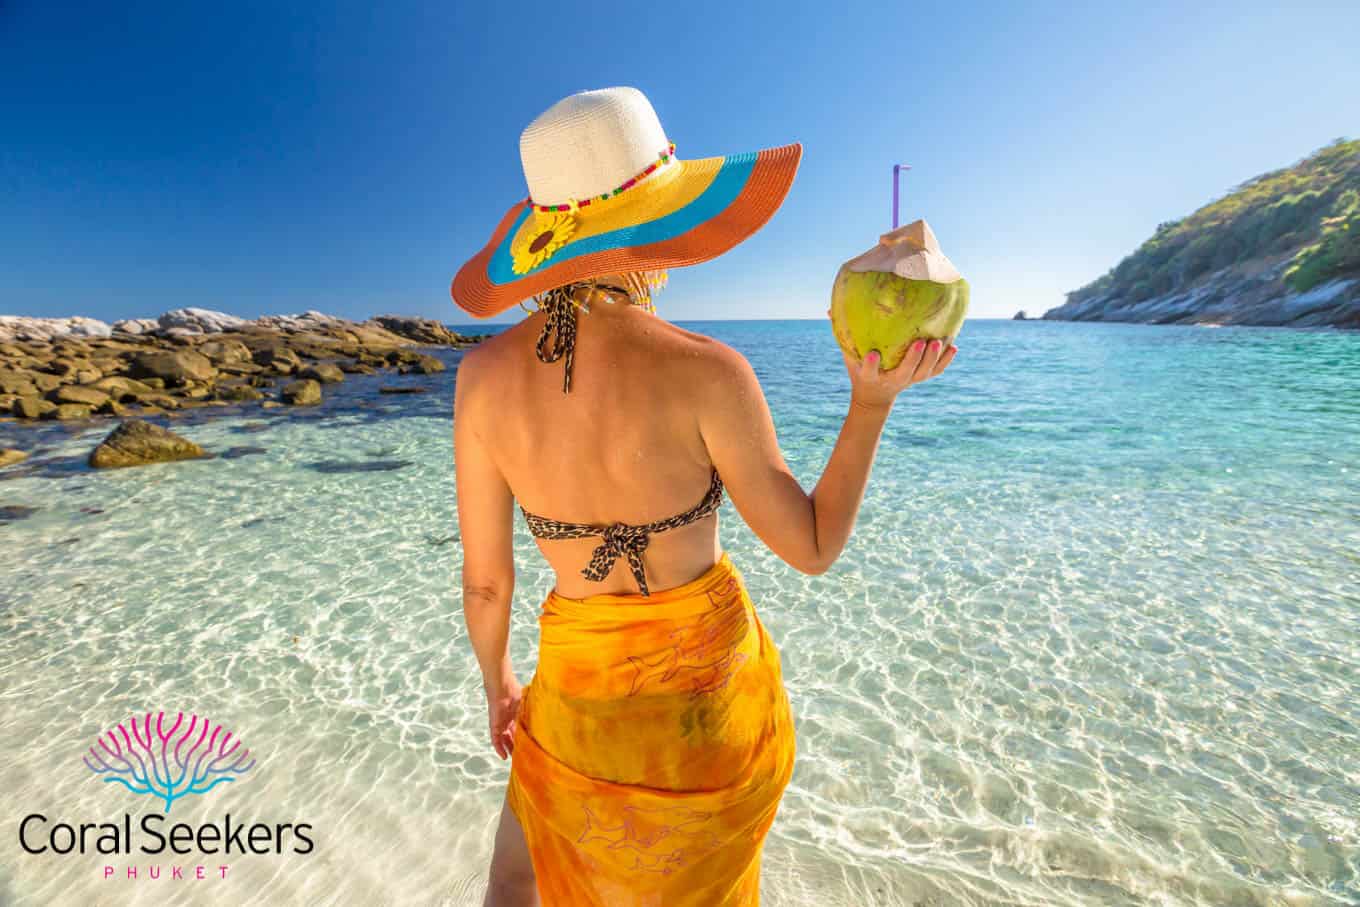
pixel 79 368
pixel 1282 249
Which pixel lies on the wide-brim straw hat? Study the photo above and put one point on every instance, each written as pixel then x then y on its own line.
pixel 608 195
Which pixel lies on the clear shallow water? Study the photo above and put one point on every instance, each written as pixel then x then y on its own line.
pixel 1096 639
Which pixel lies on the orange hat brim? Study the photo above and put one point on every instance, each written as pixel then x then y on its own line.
pixel 740 197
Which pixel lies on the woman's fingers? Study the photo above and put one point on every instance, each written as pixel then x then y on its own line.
pixel 868 366
pixel 945 359
pixel 902 372
pixel 929 357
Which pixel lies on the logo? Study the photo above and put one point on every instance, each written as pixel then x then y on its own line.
pixel 167 759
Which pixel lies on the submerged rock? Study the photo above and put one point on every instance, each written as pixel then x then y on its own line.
pixel 340 466
pixel 11 512
pixel 10 456
pixel 244 450
pixel 137 443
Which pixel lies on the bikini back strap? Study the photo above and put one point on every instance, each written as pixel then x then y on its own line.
pixel 623 539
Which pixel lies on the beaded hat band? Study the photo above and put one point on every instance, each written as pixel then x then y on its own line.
pixel 607 195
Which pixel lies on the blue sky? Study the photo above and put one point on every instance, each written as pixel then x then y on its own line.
pixel 276 157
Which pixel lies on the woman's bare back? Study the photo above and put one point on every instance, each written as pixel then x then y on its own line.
pixel 623 446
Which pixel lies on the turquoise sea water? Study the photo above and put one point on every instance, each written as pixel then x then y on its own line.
pixel 1096 639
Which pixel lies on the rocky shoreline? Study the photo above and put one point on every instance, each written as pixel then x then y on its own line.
pixel 73 369
pixel 1232 296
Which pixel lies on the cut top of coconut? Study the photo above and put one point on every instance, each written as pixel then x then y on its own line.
pixel 911 252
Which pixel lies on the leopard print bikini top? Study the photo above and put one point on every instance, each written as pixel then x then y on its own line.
pixel 620 539
pixel 623 539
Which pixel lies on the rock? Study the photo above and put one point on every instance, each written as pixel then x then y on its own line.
pixel 421 330
pixel 31 407
pixel 279 358
pixel 67 412
pixel 356 368
pixel 164 401
pixel 238 393
pixel 154 383
pixel 136 325
pixel 271 404
pixel 225 351
pixel 87 396
pixel 14 327
pixel 111 408
pixel 199 321
pixel 301 393
pixel 9 456
pixel 193 392
pixel 427 365
pixel 375 337
pixel 136 443
pixel 175 367
pixel 123 389
pixel 1020 316
pixel 324 372
pixel 18 383
pixel 311 320
pixel 388 389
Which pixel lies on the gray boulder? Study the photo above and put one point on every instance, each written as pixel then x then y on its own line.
pixel 200 321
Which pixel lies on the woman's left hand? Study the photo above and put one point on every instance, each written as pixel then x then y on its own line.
pixel 502 706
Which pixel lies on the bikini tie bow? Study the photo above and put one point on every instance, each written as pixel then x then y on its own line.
pixel 620 540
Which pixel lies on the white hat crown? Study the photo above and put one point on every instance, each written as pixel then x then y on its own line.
pixel 589 144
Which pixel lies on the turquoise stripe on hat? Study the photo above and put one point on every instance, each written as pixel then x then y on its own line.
pixel 731 178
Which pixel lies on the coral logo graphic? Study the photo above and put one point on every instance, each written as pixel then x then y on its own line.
pixel 169 758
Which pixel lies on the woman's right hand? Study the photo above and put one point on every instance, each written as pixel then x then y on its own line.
pixel 871 386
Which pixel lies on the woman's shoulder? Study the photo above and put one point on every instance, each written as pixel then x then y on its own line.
pixel 708 371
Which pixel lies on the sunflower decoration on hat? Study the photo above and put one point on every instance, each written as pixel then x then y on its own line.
pixel 537 244
pixel 608 195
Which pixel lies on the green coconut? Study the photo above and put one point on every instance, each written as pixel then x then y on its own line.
pixel 902 290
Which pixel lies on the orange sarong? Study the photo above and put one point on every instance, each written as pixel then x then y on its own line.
pixel 653 746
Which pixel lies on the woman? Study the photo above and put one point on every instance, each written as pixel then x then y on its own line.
pixel 654 742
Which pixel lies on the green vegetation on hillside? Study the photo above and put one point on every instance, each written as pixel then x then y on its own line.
pixel 1311 210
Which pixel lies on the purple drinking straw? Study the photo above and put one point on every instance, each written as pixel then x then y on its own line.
pixel 897 169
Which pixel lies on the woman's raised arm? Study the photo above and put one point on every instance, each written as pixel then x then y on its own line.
pixel 806 531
